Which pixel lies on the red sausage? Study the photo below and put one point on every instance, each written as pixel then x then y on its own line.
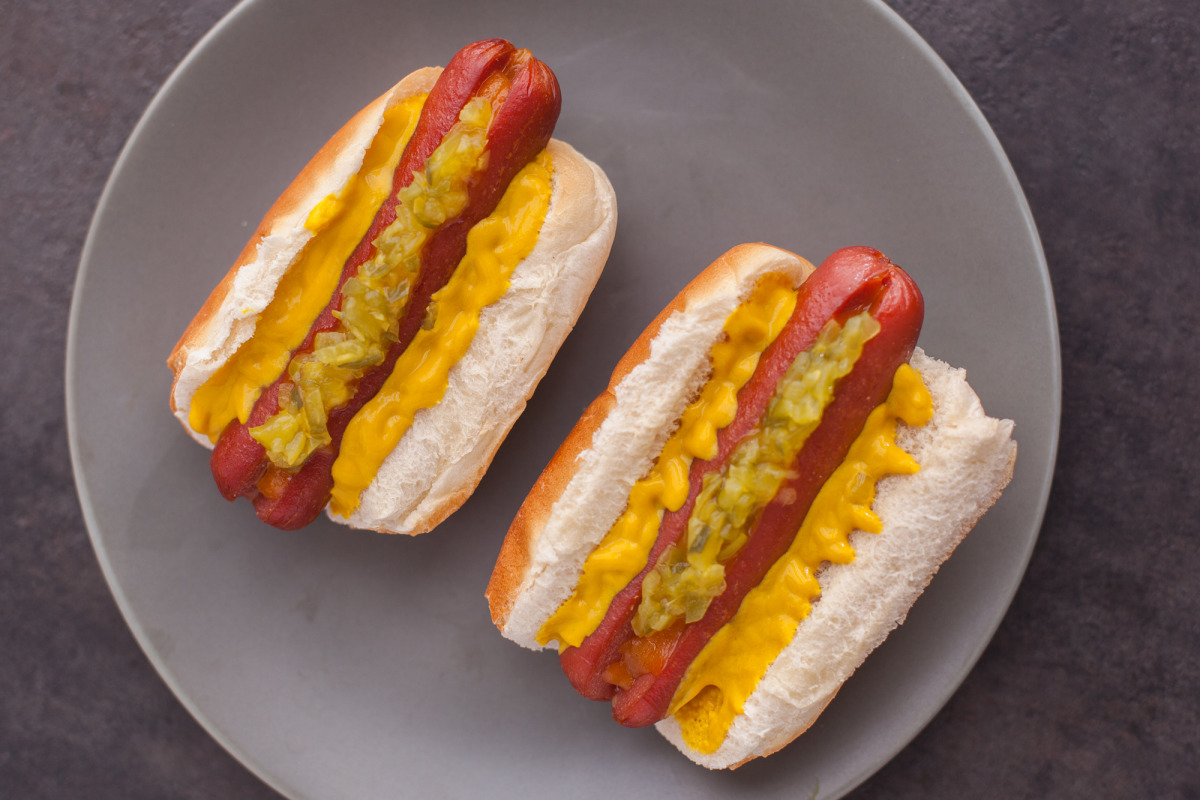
pixel 520 128
pixel 849 281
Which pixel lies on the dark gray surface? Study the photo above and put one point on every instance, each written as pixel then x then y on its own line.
pixel 1087 688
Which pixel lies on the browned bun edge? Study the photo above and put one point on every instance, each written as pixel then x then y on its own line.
pixel 516 550
pixel 326 172
pixel 723 283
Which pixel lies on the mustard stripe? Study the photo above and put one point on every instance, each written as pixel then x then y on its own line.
pixel 494 248
pixel 724 674
pixel 625 549
pixel 338 224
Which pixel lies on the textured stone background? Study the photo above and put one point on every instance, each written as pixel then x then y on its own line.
pixel 1089 688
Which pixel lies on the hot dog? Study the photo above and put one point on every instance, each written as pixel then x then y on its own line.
pixel 382 330
pixel 744 480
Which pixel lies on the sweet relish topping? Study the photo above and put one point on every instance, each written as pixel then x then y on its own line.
pixel 374 300
pixel 689 575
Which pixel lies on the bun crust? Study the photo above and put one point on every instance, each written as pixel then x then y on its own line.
pixel 442 457
pixel 616 441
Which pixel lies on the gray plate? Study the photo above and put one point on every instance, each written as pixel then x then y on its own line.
pixel 339 664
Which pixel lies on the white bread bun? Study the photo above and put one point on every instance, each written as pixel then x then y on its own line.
pixel 966 460
pixel 442 457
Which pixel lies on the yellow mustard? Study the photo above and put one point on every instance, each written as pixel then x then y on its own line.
pixel 690 574
pixel 623 552
pixel 716 685
pixel 374 300
pixel 494 248
pixel 338 224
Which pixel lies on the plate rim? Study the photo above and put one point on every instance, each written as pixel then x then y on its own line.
pixel 131 619
pixel 975 114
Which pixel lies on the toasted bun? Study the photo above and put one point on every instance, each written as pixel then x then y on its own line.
pixel 966 459
pixel 586 485
pixel 442 457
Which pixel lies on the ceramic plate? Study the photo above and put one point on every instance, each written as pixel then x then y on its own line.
pixel 342 664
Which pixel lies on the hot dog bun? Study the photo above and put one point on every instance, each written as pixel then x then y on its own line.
pixel 966 459
pixel 441 459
